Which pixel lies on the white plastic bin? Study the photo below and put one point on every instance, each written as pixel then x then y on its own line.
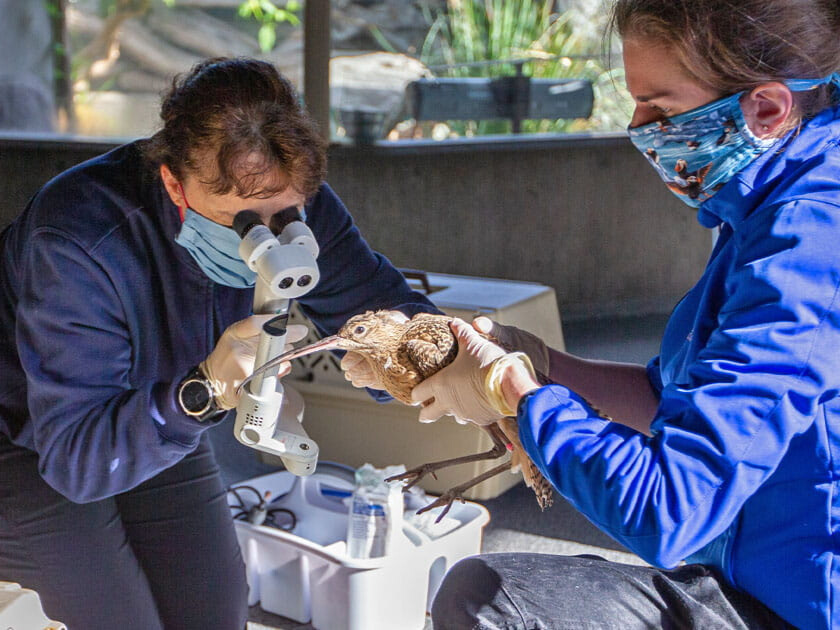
pixel 306 575
pixel 20 609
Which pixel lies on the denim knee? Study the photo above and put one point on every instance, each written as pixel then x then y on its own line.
pixel 469 591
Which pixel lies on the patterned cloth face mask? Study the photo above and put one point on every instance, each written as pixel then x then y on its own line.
pixel 697 152
pixel 216 250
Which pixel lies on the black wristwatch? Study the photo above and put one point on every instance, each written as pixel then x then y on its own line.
pixel 195 395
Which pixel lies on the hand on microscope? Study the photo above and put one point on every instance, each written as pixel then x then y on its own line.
pixel 232 360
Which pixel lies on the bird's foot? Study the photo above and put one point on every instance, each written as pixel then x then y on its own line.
pixel 457 493
pixel 414 475
pixel 446 500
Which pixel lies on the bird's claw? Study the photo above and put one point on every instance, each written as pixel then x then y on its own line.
pixel 414 475
pixel 404 477
pixel 446 499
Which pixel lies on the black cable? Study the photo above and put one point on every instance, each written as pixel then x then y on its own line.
pixel 234 489
pixel 272 520
pixel 256 512
pixel 261 512
pixel 239 503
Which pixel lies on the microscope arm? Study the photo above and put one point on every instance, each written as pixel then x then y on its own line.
pixel 286 269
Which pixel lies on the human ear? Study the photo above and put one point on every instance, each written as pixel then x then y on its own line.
pixel 173 186
pixel 767 107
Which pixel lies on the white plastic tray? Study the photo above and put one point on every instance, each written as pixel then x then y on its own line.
pixel 306 575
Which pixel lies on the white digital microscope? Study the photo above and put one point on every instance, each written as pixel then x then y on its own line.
pixel 286 268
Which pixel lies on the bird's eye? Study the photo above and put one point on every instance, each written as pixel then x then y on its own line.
pixel 359 330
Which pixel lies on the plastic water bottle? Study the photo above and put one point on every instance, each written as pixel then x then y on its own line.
pixel 376 513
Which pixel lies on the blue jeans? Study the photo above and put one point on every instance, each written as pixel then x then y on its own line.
pixel 162 555
pixel 528 591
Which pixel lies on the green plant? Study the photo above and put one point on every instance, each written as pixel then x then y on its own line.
pixel 269 15
pixel 482 38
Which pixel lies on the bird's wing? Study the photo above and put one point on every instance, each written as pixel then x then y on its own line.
pixel 425 355
pixel 430 317
pixel 429 343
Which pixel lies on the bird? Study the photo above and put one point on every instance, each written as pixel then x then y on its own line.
pixel 405 352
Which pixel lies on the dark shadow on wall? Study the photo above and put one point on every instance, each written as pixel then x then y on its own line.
pixel 26 104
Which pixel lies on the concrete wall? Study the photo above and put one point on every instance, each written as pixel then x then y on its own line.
pixel 586 216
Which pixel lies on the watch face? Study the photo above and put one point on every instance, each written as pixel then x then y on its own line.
pixel 195 397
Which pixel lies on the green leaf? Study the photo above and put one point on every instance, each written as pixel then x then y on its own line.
pixel 267 37
pixel 291 18
pixel 246 9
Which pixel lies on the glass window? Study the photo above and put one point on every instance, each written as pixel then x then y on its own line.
pixel 124 53
pixel 98 67
pixel 399 69
pixel 472 68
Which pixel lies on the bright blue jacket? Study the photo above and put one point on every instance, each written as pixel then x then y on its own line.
pixel 741 472
pixel 102 314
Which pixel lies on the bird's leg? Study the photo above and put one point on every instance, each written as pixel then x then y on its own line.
pixel 448 497
pixel 500 446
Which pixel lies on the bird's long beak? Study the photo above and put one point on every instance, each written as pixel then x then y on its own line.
pixel 333 342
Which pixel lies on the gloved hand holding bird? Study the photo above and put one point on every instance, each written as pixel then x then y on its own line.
pixel 447 366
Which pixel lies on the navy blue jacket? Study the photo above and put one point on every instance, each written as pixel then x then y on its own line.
pixel 742 470
pixel 102 314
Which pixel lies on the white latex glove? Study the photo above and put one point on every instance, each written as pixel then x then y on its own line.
pixel 232 360
pixel 458 389
pixel 515 339
pixel 358 370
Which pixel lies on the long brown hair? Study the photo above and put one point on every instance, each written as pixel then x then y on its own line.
pixel 240 124
pixel 735 45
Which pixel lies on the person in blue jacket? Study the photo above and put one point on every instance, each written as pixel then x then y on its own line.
pixel 718 463
pixel 119 283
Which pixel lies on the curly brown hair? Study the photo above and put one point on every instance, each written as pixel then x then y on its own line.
pixel 735 45
pixel 240 126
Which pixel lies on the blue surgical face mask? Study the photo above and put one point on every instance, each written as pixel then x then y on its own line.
pixel 216 250
pixel 697 152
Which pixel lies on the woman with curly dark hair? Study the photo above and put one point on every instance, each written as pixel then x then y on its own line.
pixel 121 284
